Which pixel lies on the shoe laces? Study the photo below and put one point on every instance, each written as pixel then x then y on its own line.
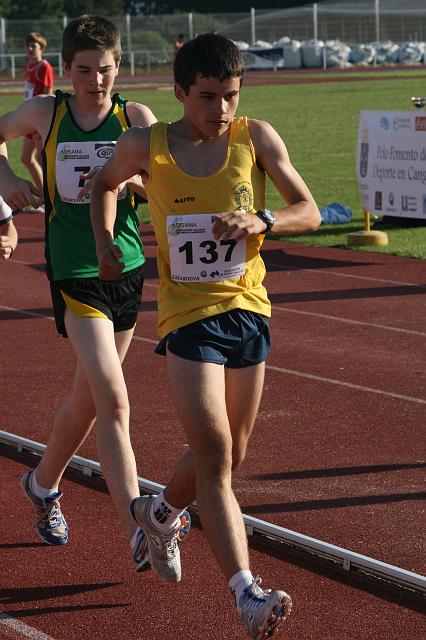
pixel 171 546
pixel 50 513
pixel 255 594
pixel 169 540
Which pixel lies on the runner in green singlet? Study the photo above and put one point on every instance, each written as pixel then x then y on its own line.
pixel 79 132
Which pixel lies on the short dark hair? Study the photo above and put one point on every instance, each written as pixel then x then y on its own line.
pixel 90 32
pixel 212 56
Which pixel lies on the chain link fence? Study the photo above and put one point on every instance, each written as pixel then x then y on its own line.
pixel 148 40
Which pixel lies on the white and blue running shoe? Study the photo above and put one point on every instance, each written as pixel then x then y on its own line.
pixel 263 610
pixel 50 524
pixel 162 548
pixel 140 551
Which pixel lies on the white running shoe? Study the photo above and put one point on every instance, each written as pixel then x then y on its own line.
pixel 163 550
pixel 262 610
pixel 50 524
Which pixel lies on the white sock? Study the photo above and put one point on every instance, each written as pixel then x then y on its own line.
pixel 41 492
pixel 238 582
pixel 162 514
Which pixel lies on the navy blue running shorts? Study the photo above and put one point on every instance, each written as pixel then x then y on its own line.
pixel 117 300
pixel 235 339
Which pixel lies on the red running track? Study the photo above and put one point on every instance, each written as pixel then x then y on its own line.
pixel 337 454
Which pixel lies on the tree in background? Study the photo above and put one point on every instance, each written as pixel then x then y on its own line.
pixel 50 9
pixel 213 6
pixel 74 8
pixel 42 9
pixel 29 9
pixel 5 7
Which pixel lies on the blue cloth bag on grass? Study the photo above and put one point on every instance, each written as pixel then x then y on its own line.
pixel 335 213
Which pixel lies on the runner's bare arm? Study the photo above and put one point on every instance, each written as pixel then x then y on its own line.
pixel 301 213
pixel 139 116
pixel 131 156
pixel 34 114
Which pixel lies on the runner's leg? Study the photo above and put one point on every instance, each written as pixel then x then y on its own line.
pixel 205 420
pixel 243 393
pixel 72 424
pixel 243 389
pixel 29 160
pixel 94 343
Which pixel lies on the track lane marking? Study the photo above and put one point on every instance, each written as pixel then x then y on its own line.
pixel 348 320
pixel 21 629
pixel 284 267
pixel 276 307
pixel 350 385
pixel 344 275
pixel 292 372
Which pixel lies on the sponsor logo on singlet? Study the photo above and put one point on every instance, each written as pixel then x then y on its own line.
pixel 243 193
pixel 184 199
pixel 105 150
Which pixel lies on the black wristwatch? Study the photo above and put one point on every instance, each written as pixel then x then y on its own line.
pixel 267 217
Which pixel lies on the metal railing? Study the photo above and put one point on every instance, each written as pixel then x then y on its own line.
pixel 274 534
pixel 365 21
pixel 145 59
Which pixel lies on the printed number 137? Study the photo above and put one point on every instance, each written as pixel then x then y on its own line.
pixel 211 253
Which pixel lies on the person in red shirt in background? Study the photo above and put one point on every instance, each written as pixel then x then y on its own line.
pixel 179 42
pixel 39 79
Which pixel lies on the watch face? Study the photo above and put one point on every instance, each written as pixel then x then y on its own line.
pixel 267 217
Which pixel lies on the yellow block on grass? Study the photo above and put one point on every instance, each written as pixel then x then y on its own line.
pixel 367 236
pixel 377 238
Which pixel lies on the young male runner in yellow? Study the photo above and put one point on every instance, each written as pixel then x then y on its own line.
pixel 79 132
pixel 205 179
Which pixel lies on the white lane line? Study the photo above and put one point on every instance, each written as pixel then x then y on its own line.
pixel 348 320
pixel 284 267
pixel 31 229
pixel 21 629
pixel 32 314
pixel 349 385
pixel 310 376
pixel 24 262
pixel 319 271
pixel 142 339
pixel 300 374
pixel 286 309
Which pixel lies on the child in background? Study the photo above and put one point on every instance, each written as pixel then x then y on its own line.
pixel 39 79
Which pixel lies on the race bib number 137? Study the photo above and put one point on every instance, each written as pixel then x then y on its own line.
pixel 196 256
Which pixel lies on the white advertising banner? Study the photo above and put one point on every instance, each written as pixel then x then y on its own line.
pixel 391 162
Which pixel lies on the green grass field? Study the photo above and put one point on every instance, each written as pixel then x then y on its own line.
pixel 319 124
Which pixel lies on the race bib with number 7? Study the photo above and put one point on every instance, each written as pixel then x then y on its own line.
pixel 196 256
